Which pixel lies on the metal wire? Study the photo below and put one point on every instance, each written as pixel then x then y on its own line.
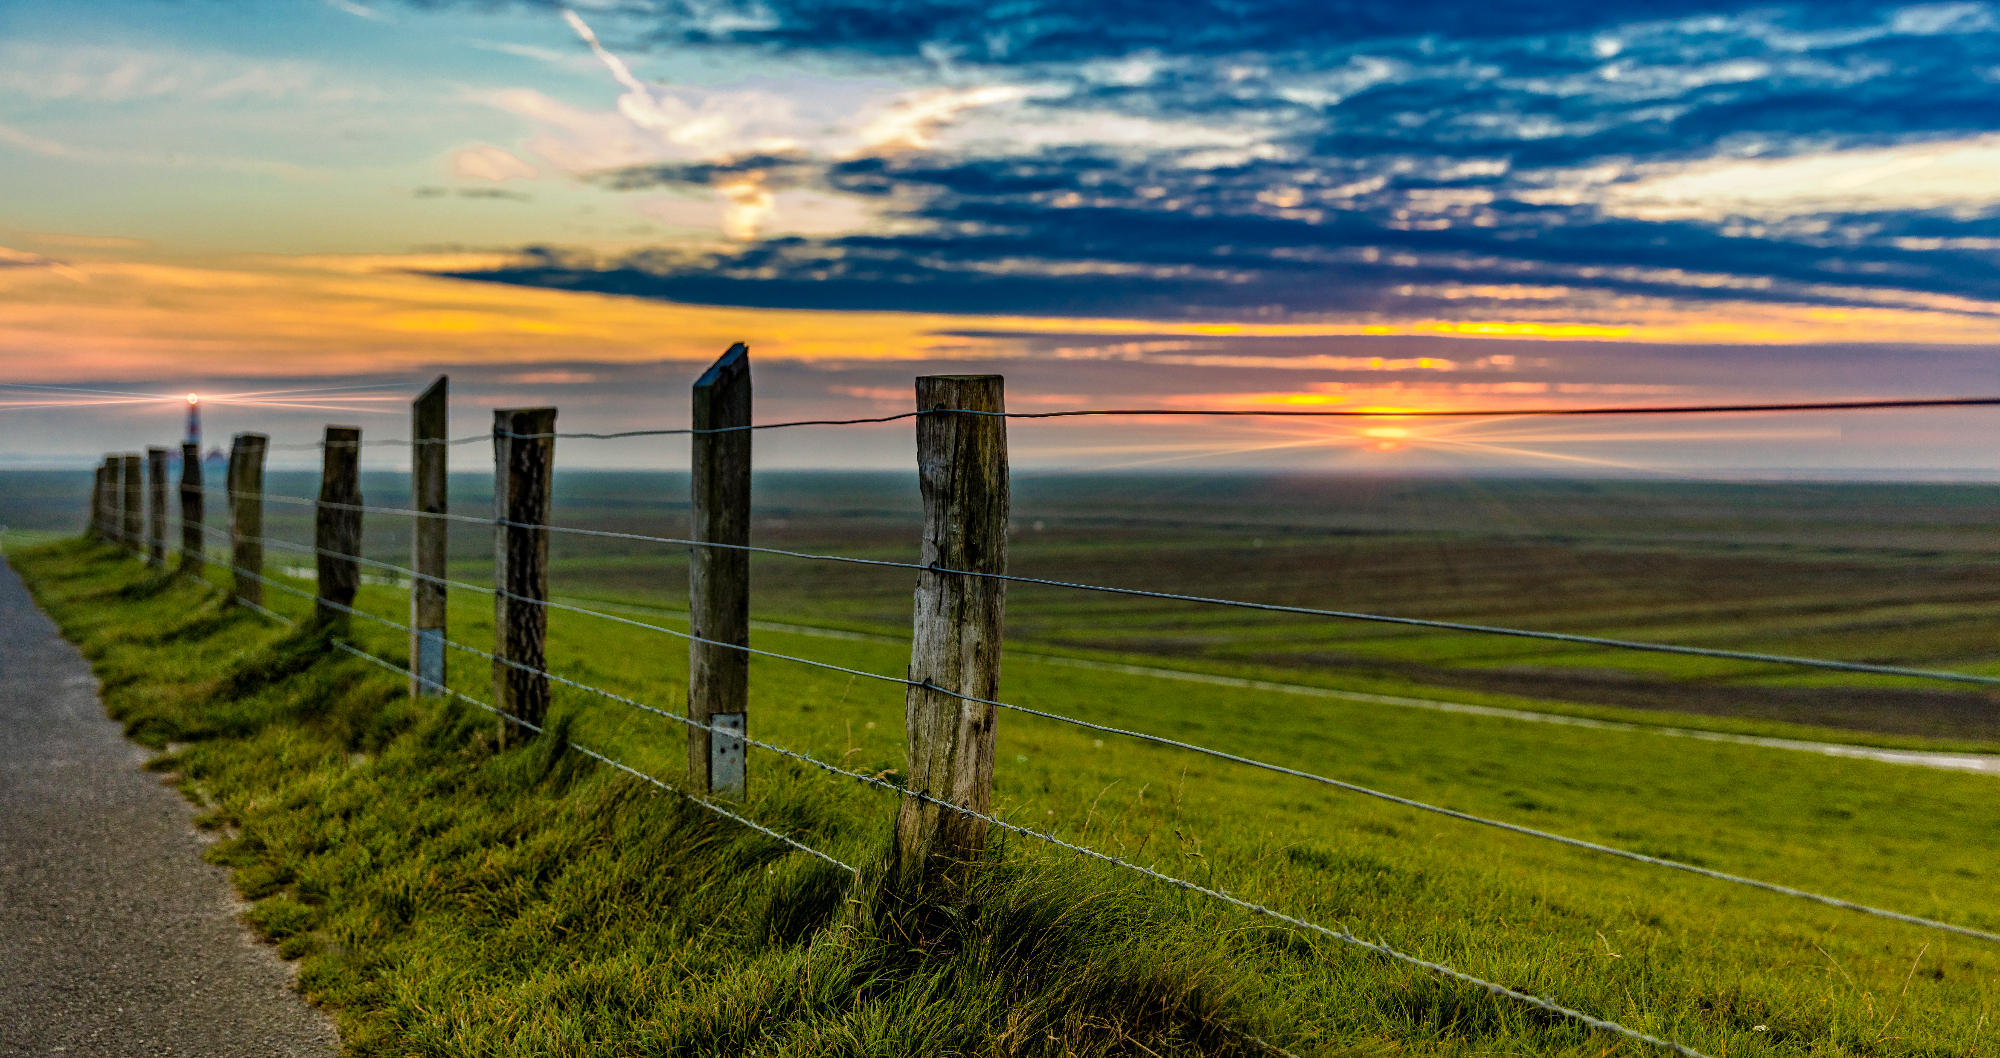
pixel 287 545
pixel 1347 615
pixel 1456 626
pixel 512 719
pixel 1378 946
pixel 1580 843
pixel 1468 413
pixel 1406 802
pixel 1219 754
pixel 1681 409
pixel 621 766
pixel 1463 413
pixel 1342 935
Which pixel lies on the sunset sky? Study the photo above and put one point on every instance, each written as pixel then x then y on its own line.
pixel 1177 203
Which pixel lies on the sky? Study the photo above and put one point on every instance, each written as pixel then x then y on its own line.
pixel 308 209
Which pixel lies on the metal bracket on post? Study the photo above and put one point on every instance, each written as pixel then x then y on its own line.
pixel 725 754
pixel 430 662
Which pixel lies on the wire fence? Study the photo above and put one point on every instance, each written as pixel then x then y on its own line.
pixel 1143 736
pixel 1225 413
pixel 117 528
pixel 1344 936
pixel 1241 604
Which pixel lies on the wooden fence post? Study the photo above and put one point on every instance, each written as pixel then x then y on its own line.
pixel 336 529
pixel 962 468
pixel 112 518
pixel 97 502
pixel 156 507
pixel 132 481
pixel 193 543
pixel 524 450
pixel 428 423
pixel 246 514
pixel 719 577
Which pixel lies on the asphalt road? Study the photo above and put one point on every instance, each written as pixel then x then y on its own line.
pixel 115 938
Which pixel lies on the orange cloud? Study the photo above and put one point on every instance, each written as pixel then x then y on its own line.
pixel 133 316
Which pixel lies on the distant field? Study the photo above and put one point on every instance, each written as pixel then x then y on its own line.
pixel 1895 574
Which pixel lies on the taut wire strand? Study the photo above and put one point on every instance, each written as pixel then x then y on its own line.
pixel 1353 413
pixel 1308 611
pixel 510 718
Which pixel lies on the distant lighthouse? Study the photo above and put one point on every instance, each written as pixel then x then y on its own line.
pixel 194 422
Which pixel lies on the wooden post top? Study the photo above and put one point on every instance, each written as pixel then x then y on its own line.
pixel 733 362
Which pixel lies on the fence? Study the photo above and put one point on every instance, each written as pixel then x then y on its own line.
pixel 952 698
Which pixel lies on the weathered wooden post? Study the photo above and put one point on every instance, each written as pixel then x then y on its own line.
pixel 524 450
pixel 962 468
pixel 428 423
pixel 132 479
pixel 109 515
pixel 336 522
pixel 246 514
pixel 156 507
pixel 192 541
pixel 719 577
pixel 98 492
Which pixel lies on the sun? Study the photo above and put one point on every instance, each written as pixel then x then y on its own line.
pixel 1387 438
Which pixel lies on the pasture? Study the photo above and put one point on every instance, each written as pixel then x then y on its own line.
pixel 1883 573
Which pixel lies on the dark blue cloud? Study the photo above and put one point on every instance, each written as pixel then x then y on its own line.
pixel 1388 148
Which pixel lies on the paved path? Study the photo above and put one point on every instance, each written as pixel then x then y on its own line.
pixel 115 938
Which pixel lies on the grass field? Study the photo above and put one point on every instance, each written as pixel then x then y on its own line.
pixel 451 900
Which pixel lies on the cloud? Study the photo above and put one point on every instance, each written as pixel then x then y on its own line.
pixel 104 74
pixel 1951 175
pixel 486 162
pixel 912 123
pixel 1291 159
pixel 22 259
pixel 86 242
pixel 359 10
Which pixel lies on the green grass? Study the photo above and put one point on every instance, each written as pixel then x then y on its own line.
pixel 448 898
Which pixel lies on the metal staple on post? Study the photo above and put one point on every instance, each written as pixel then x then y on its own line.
pixel 132 494
pixel 428 539
pixel 246 514
pixel 523 475
pixel 336 522
pixel 719 577
pixel 156 507
pixel 192 542
pixel 962 468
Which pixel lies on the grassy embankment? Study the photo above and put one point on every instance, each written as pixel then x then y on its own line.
pixel 447 898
